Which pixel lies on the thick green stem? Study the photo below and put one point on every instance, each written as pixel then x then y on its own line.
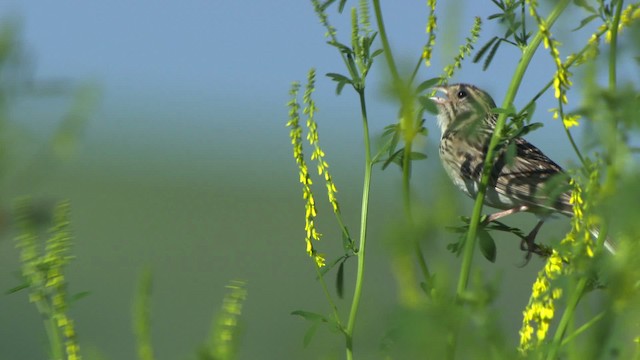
pixel 393 69
pixel 527 55
pixel 613 52
pixel 406 163
pixel 355 303
pixel 406 179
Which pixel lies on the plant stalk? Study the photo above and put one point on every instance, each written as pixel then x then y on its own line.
pixel 363 227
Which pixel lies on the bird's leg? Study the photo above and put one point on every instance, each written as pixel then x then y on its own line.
pixel 500 214
pixel 529 245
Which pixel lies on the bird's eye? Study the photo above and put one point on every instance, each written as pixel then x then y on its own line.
pixel 462 94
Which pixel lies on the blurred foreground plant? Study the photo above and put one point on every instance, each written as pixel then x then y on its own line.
pixel 43 273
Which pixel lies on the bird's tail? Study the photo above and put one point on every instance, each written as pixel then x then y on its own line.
pixel 608 243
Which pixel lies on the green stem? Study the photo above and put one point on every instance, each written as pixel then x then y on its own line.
pixel 582 328
pixel 527 54
pixel 53 334
pixel 406 162
pixel 385 42
pixel 613 52
pixel 406 179
pixel 566 318
pixel 334 308
pixel 363 228
pixel 406 192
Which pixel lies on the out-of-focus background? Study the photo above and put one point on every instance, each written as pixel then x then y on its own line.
pixel 185 166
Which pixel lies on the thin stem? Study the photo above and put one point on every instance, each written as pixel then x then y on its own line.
pixel 334 308
pixel 582 328
pixel 570 137
pixel 414 73
pixel 527 55
pixel 363 227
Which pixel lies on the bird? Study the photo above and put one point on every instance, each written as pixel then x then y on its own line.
pixel 518 182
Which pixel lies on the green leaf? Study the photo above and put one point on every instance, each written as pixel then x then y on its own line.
pixel 79 296
pixel 484 49
pixel 510 110
pixel 500 4
pixel 390 129
pixel 308 335
pixel 529 111
pixel 341 6
pixel 585 21
pixel 340 280
pixel 15 289
pixel 499 226
pixel 339 78
pixel 376 53
pixel 527 129
pixel 395 157
pixel 311 316
pixel 342 47
pixel 326 4
pixel 583 4
pixel 427 84
pixel 331 265
pixel 487 245
pixel 417 156
pixel 491 54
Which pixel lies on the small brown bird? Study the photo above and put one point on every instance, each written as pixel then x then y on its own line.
pixel 515 185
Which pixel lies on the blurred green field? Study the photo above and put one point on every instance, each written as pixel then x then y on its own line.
pixel 233 211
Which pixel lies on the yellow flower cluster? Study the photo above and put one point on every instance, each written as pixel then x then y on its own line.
pixel 317 155
pixel 561 82
pixel 295 134
pixel 540 311
pixel 431 30
pixel 312 137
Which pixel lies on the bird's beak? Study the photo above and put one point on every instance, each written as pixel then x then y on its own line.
pixel 437 99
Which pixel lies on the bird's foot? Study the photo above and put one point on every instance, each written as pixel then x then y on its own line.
pixel 529 245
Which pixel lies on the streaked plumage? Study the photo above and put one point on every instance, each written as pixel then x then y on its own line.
pixel 516 184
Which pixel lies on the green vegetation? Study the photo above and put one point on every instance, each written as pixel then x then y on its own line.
pixel 458 323
pixel 583 302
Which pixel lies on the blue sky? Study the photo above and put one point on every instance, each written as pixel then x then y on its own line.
pixel 193 79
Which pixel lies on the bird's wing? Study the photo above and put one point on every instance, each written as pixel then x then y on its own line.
pixel 532 178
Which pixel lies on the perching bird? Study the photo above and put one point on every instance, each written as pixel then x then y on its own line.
pixel 467 123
